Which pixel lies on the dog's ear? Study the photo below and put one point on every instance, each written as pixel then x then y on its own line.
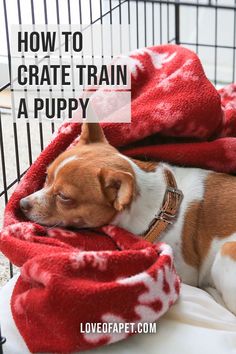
pixel 92 133
pixel 118 187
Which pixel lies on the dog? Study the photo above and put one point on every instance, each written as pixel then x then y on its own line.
pixel 93 184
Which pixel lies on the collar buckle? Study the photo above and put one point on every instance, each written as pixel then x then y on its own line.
pixel 169 210
pixel 163 214
pixel 174 191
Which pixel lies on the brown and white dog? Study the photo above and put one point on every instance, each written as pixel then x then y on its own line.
pixel 92 184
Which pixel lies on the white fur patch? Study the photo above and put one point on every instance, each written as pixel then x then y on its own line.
pixel 39 196
pixel 191 182
pixel 151 189
pixel 152 186
pixel 205 276
pixel 65 162
pixel 224 277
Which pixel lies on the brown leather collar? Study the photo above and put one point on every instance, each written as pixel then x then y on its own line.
pixel 168 212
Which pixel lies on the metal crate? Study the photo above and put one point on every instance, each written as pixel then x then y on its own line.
pixel 196 24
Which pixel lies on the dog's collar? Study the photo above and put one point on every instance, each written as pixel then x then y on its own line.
pixel 169 210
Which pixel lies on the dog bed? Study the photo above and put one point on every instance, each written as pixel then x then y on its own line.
pixel 195 321
pixel 110 275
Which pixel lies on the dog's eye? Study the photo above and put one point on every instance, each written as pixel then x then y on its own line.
pixel 63 198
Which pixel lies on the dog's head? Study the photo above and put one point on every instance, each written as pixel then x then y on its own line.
pixel 85 186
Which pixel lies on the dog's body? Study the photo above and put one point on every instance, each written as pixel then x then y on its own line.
pixel 93 184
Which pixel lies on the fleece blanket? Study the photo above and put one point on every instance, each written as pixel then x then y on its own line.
pixel 195 316
pixel 108 275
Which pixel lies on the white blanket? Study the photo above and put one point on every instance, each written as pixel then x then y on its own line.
pixel 195 324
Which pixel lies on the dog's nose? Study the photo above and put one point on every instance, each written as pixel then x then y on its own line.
pixel 25 204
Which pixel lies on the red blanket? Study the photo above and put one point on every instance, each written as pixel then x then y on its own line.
pixel 109 275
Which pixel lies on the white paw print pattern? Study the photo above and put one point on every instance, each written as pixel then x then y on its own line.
pixel 31 274
pixel 191 127
pixel 111 337
pixel 103 104
pixel 65 128
pixel 131 61
pixel 164 249
pixel 165 111
pixel 230 106
pixel 160 288
pixel 23 231
pixel 134 64
pixel 229 91
pixel 97 260
pixel 57 232
pixel 155 292
pixel 19 303
pixel 34 273
pixel 155 289
pixel 168 81
pixel 158 60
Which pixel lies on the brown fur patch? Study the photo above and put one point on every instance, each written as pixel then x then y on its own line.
pixel 87 203
pixel 190 235
pixel 147 166
pixel 214 216
pixel 229 249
